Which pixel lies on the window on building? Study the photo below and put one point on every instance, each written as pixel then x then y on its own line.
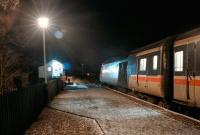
pixel 178 62
pixel 143 63
pixel 49 69
pixel 155 62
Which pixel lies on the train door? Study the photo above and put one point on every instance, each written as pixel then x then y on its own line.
pixel 184 73
pixel 141 78
pixel 132 71
pixel 122 77
pixel 154 76
pixel 197 75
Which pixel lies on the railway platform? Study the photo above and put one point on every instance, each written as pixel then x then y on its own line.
pixel 94 110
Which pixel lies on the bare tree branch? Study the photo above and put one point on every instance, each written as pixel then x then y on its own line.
pixel 8 13
pixel 9 4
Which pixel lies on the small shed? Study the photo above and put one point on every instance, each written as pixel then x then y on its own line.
pixel 55 69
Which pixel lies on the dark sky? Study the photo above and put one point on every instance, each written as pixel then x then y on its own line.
pixel 95 30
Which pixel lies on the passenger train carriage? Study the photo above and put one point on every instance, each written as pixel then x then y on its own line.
pixel 114 73
pixel 168 69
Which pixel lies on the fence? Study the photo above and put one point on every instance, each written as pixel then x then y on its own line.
pixel 54 86
pixel 18 109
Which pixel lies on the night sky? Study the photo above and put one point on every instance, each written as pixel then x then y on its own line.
pixel 95 30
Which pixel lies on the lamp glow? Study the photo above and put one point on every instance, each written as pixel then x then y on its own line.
pixel 43 22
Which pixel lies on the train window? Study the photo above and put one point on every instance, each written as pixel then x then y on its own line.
pixel 155 62
pixel 178 62
pixel 143 63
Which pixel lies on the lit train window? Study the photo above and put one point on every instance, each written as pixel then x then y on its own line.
pixel 178 62
pixel 155 62
pixel 143 63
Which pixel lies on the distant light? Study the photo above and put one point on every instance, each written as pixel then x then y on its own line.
pixel 67 66
pixel 58 34
pixel 88 74
pixel 43 22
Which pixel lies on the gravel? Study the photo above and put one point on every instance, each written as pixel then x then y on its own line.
pixel 53 122
pixel 114 113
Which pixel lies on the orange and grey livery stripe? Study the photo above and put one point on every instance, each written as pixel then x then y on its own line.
pixel 147 78
pixel 158 80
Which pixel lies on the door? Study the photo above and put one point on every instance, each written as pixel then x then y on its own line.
pixel 197 75
pixel 184 72
pixel 141 78
pixel 154 75
pixel 191 72
pixel 122 77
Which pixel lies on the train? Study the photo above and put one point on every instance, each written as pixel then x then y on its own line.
pixel 168 70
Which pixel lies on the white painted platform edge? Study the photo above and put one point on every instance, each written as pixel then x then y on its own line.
pixel 185 116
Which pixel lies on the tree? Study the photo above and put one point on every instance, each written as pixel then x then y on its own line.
pixel 9 4
pixel 14 61
pixel 10 62
pixel 8 12
pixel 11 59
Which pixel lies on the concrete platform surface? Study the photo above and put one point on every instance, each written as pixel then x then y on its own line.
pixel 106 112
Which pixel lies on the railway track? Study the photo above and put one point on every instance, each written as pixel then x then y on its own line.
pixel 170 113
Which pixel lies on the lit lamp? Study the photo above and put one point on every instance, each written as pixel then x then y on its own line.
pixel 43 23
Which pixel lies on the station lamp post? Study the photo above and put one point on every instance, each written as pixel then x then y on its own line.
pixel 43 23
